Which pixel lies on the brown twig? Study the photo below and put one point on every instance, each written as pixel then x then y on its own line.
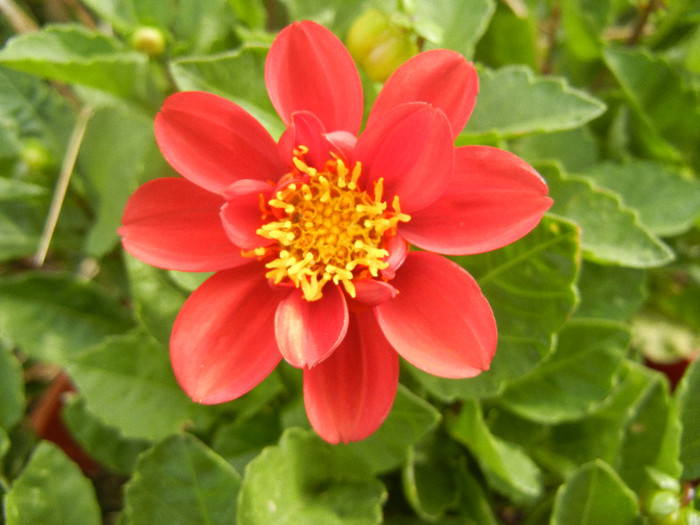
pixel 639 27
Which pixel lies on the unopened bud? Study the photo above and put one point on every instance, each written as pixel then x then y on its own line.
pixel 378 45
pixel 149 40
pixel 663 508
pixel 36 156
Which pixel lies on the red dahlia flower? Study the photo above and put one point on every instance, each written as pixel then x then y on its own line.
pixel 309 236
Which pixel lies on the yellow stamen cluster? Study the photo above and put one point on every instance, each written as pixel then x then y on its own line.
pixel 326 228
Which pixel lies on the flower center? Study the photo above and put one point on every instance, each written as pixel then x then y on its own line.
pixel 326 228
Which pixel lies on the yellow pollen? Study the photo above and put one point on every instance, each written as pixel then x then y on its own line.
pixel 326 229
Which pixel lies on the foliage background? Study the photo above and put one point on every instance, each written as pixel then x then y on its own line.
pixel 572 425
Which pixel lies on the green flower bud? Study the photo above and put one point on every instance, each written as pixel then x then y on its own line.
pixel 378 45
pixel 149 40
pixel 663 507
pixel 689 516
pixel 36 156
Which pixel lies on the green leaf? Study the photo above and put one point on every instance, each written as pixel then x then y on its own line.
pixel 242 440
pixel 575 149
pixel 689 413
pixel 336 15
pixel 512 101
pixel 202 27
pixel 33 116
pixel 530 286
pixel 409 420
pixel 127 15
pixel 583 21
pixel 157 299
pixel 181 481
pixel 609 292
pixel 256 424
pixel 506 467
pixel 475 504
pixel 521 45
pixel 430 477
pixel 134 369
pixel 21 221
pixel 251 12
pixel 301 481
pixel 10 144
pixel 572 379
pixel 595 494
pixel 51 489
pixel 73 54
pixel 13 189
pixel 11 389
pixel 636 427
pixel 34 110
pixel 238 76
pixel 120 13
pixel 668 201
pixel 461 23
pixel 666 109
pixel 4 447
pixel 117 154
pixel 610 233
pixel 103 443
pixel 55 317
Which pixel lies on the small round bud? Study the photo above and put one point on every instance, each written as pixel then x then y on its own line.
pixel 149 40
pixel 36 156
pixel 662 507
pixel 378 45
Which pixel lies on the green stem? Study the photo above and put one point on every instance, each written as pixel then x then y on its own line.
pixel 64 176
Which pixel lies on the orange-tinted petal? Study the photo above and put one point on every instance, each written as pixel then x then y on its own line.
pixel 223 341
pixel 440 321
pixel 349 395
pixel 411 148
pixel 213 142
pixel 495 199
pixel 305 130
pixel 309 69
pixel 171 223
pixel 241 216
pixel 307 332
pixel 439 77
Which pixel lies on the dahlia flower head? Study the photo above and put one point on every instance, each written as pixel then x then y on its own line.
pixel 313 237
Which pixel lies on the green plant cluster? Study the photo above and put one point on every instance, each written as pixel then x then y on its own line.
pixel 589 414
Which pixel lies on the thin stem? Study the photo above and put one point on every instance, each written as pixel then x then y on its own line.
pixel 64 176
pixel 21 21
pixel 638 30
pixel 547 62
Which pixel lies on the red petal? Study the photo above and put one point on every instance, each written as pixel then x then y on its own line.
pixel 309 69
pixel 342 144
pixel 305 130
pixel 213 142
pixel 440 321
pixel 371 292
pixel 241 216
pixel 349 395
pixel 495 199
pixel 307 332
pixel 223 341
pixel 439 77
pixel 398 249
pixel 173 224
pixel 411 148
